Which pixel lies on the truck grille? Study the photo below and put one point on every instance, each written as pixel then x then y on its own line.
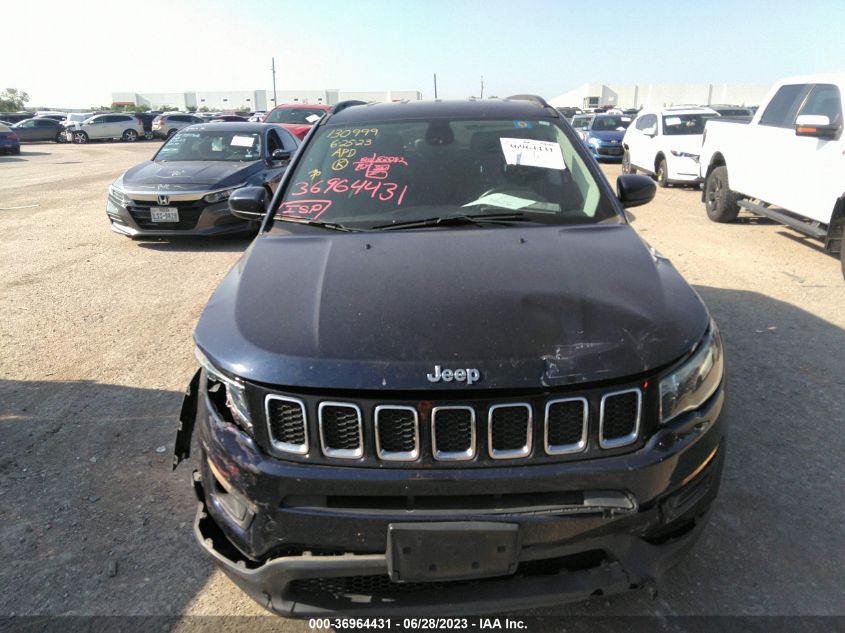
pixel 286 424
pixel 341 434
pixel 460 428
pixel 620 418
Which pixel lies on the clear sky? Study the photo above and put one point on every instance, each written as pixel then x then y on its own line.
pixel 75 54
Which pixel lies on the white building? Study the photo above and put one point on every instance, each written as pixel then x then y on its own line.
pixel 250 100
pixel 594 95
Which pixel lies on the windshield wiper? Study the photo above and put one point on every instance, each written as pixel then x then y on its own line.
pixel 454 220
pixel 332 226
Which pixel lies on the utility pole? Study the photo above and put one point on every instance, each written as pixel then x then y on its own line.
pixel 435 85
pixel 274 81
pixel 482 87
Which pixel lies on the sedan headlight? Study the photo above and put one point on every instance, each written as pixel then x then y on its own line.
pixel 689 386
pixel 234 390
pixel 118 195
pixel 594 141
pixel 219 196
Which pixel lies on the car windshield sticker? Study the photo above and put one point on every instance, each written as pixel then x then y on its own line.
pixel 242 141
pixel 502 200
pixel 626 118
pixel 672 120
pixel 522 124
pixel 313 118
pixel 532 153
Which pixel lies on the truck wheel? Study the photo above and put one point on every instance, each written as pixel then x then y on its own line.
pixel 662 173
pixel 627 168
pixel 130 136
pixel 719 200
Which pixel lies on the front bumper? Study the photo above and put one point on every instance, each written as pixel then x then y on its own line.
pixel 299 557
pixel 195 219
pixel 607 151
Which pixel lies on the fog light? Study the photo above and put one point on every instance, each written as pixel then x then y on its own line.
pixel 234 504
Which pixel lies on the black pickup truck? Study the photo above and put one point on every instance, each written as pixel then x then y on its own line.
pixel 448 374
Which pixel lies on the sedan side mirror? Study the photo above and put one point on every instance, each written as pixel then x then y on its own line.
pixel 634 191
pixel 248 203
pixel 280 154
pixel 817 125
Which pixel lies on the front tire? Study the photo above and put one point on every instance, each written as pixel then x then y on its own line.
pixel 130 136
pixel 719 200
pixel 79 137
pixel 662 173
pixel 60 138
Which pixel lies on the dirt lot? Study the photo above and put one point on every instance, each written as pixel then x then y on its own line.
pixel 96 350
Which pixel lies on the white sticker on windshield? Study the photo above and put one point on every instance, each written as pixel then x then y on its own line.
pixel 242 141
pixel 526 151
pixel 672 120
pixel 502 200
pixel 626 118
pixel 313 118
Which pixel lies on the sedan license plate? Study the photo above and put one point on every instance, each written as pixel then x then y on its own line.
pixel 455 550
pixel 164 214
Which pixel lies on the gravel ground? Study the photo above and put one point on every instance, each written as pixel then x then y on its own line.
pixel 96 350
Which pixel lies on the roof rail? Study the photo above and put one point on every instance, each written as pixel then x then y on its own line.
pixel 534 98
pixel 338 107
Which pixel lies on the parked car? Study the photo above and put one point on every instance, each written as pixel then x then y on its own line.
pixel 568 113
pixel 228 118
pixel 603 136
pixel 16 117
pixel 166 125
pixel 731 111
pixel 449 358
pixel 786 164
pixel 59 117
pixel 40 129
pixel 9 143
pixel 666 143
pixel 146 120
pixel 183 189
pixel 581 122
pixel 257 116
pixel 106 126
pixel 297 118
pixel 77 117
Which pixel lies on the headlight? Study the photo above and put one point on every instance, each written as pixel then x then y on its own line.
pixel 219 196
pixel 689 386
pixel 594 141
pixel 235 400
pixel 118 195
pixel 695 157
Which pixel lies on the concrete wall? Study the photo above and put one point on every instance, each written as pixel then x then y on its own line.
pixel 638 95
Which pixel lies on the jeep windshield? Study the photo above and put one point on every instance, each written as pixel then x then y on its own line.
pixel 189 145
pixel 414 173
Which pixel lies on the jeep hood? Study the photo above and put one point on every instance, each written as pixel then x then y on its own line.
pixel 526 306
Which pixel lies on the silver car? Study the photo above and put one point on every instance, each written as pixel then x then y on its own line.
pixel 166 125
pixel 106 126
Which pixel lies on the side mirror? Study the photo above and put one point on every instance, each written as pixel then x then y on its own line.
pixel 634 191
pixel 280 154
pixel 248 203
pixel 817 125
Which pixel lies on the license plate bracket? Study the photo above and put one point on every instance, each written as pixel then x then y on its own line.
pixel 164 214
pixel 453 550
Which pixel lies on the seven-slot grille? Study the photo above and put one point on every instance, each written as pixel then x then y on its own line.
pixel 341 430
pixel 286 422
pixel 561 426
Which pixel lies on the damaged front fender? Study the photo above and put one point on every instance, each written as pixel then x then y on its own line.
pixel 187 419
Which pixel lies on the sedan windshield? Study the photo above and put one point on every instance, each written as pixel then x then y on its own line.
pixel 611 123
pixel 678 124
pixel 296 116
pixel 381 174
pixel 228 146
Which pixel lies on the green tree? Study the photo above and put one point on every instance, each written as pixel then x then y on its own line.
pixel 12 100
pixel 204 109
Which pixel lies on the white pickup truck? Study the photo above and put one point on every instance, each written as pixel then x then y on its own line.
pixel 787 163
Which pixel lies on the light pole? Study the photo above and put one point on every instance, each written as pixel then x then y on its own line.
pixel 274 81
pixel 435 85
